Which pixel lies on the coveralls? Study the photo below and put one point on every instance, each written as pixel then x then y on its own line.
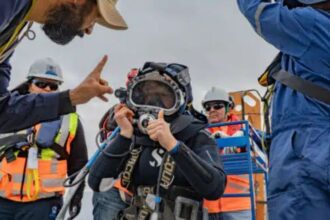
pixel 22 111
pixel 299 185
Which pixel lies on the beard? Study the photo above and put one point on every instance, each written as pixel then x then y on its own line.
pixel 65 22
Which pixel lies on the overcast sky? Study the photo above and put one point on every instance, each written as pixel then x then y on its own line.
pixel 211 37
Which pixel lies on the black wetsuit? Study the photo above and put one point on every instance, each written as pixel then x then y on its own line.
pixel 198 164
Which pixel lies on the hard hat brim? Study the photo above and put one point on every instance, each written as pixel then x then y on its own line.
pixel 111 18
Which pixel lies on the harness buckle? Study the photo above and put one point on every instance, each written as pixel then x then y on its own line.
pixel 31 138
pixel 186 208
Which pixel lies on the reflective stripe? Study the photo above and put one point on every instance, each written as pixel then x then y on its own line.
pixel 242 189
pixel 13 133
pixel 17 178
pixel 53 182
pixel 73 123
pixel 53 166
pixel 259 10
pixel 16 192
pixel 46 195
pixel 243 176
pixel 64 131
pixel 2 193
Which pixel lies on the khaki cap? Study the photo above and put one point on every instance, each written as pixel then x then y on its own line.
pixel 110 15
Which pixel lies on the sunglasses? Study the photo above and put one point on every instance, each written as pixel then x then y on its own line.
pixel 215 106
pixel 42 85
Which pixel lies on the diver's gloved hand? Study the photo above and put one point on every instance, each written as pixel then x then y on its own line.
pixel 75 206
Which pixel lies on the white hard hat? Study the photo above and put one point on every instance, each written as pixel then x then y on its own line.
pixel 110 17
pixel 216 94
pixel 45 68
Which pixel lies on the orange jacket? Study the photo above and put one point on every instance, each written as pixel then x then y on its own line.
pixel 20 183
pixel 235 183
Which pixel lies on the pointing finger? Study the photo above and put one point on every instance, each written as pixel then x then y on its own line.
pixel 98 69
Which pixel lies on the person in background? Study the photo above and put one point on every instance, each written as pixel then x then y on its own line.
pixel 34 162
pixel 217 105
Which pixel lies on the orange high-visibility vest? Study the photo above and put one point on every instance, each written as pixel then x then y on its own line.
pixel 50 173
pixel 235 184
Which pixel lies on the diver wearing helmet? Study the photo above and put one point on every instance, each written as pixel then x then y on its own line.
pixel 171 162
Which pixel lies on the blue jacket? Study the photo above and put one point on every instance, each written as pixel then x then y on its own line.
pixel 20 111
pixel 303 35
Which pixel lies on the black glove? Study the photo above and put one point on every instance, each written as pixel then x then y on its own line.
pixel 74 210
pixel 75 204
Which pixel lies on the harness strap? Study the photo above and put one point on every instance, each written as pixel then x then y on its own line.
pixel 126 175
pixel 177 202
pixel 60 151
pixel 303 86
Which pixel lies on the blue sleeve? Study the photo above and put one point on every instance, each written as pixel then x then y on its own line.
pixel 5 69
pixel 8 10
pixel 289 30
pixel 21 111
pixel 5 12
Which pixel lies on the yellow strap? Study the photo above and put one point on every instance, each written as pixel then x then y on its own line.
pixel 16 32
pixel 32 176
pixel 73 123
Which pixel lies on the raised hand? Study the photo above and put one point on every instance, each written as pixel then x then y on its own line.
pixel 159 130
pixel 92 86
pixel 124 119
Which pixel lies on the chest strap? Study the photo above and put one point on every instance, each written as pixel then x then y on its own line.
pixel 126 175
pixel 303 86
pixel 166 172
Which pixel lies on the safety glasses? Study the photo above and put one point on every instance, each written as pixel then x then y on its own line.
pixel 215 106
pixel 42 84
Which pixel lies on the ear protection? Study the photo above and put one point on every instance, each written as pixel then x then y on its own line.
pixel 231 104
pixel 227 108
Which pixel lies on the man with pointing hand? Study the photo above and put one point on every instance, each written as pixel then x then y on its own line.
pixel 61 21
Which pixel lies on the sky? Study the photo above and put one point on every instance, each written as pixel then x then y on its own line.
pixel 211 37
